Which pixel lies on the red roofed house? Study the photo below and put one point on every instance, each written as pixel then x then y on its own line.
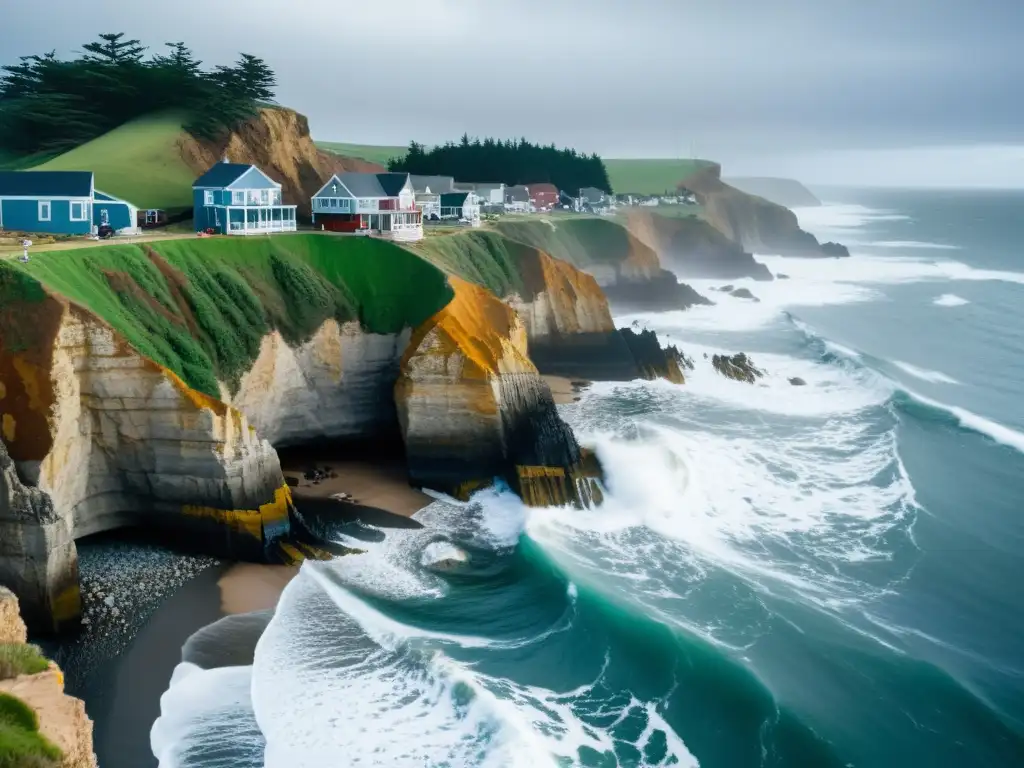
pixel 543 196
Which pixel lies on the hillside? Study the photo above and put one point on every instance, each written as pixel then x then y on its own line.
pixel 152 161
pixel 140 161
pixel 788 192
pixel 371 153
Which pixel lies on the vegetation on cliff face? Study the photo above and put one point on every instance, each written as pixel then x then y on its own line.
pixel 21 659
pixel 21 744
pixel 582 241
pixel 200 307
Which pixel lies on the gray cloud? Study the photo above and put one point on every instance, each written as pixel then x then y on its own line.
pixel 757 85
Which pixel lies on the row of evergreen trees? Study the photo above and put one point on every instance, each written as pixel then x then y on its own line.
pixel 512 162
pixel 49 104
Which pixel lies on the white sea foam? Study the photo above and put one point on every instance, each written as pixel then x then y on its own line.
pixel 337 680
pixel 950 300
pixel 842 219
pixel 913 244
pixel 206 720
pixel 1001 433
pixel 935 377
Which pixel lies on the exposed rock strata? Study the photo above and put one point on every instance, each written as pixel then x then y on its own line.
pixel 691 247
pixel 278 141
pixel 62 718
pixel 473 407
pixel 654 360
pixel 758 225
pixel 103 437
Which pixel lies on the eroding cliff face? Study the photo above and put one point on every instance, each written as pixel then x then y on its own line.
pixel 338 385
pixel 278 141
pixel 758 225
pixel 691 247
pixel 101 438
pixel 62 718
pixel 473 407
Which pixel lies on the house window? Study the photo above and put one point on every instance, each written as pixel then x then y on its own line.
pixel 77 212
pixel 265 196
pixel 238 197
pixel 208 197
pixel 44 210
pixel 104 217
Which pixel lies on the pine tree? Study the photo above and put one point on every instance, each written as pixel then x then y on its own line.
pixel 112 49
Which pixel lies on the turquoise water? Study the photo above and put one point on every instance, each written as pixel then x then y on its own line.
pixel 827 575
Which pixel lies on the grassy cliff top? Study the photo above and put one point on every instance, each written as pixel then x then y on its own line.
pixel 580 240
pixel 200 307
pixel 372 153
pixel 140 161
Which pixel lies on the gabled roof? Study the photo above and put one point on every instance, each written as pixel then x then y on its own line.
pixel 437 185
pixel 104 197
pixel 221 175
pixel 487 188
pixel 454 199
pixel 538 189
pixel 373 184
pixel 46 184
pixel 592 194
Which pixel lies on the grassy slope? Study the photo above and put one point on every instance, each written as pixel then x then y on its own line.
pixel 200 306
pixel 369 152
pixel 21 744
pixel 582 241
pixel 139 161
pixel 485 258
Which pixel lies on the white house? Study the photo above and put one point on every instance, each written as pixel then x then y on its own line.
pixel 369 203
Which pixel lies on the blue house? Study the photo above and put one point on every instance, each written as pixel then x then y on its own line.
pixel 238 199
pixel 54 202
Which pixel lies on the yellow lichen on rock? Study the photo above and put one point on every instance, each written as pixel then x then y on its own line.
pixel 251 522
pixel 10 428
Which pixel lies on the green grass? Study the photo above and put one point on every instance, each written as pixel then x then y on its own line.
pixel 369 152
pixel 582 241
pixel 650 176
pixel 21 659
pixel 138 161
pixel 21 744
pixel 489 259
pixel 201 306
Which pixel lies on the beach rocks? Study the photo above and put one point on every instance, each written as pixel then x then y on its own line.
pixel 796 381
pixel 653 360
pixel 739 367
pixel 782 276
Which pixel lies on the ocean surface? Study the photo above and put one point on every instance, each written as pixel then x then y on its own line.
pixel 828 575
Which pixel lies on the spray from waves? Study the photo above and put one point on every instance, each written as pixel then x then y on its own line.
pixel 935 377
pixel 842 219
pixel 950 300
pixel 331 643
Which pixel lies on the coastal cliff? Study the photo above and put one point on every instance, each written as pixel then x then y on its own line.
pixel 56 732
pixel 149 386
pixel 628 271
pixel 758 225
pixel 563 309
pixel 277 141
pixel 691 247
pixel 471 403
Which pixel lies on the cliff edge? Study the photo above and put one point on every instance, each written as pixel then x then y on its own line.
pixel 758 225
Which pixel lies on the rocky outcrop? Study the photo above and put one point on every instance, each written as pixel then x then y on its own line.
pixel 836 250
pixel 278 141
pixel 627 270
pixel 62 718
pixel 788 192
pixel 691 247
pixel 565 312
pixel 758 225
pixel 655 361
pixel 473 407
pixel 739 367
pixel 743 293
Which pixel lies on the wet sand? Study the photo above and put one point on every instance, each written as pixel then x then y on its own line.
pixel 565 390
pixel 379 485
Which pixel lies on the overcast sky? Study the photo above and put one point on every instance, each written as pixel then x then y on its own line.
pixel 829 91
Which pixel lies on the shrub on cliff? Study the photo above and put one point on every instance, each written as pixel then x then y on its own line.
pixel 21 659
pixel 21 744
